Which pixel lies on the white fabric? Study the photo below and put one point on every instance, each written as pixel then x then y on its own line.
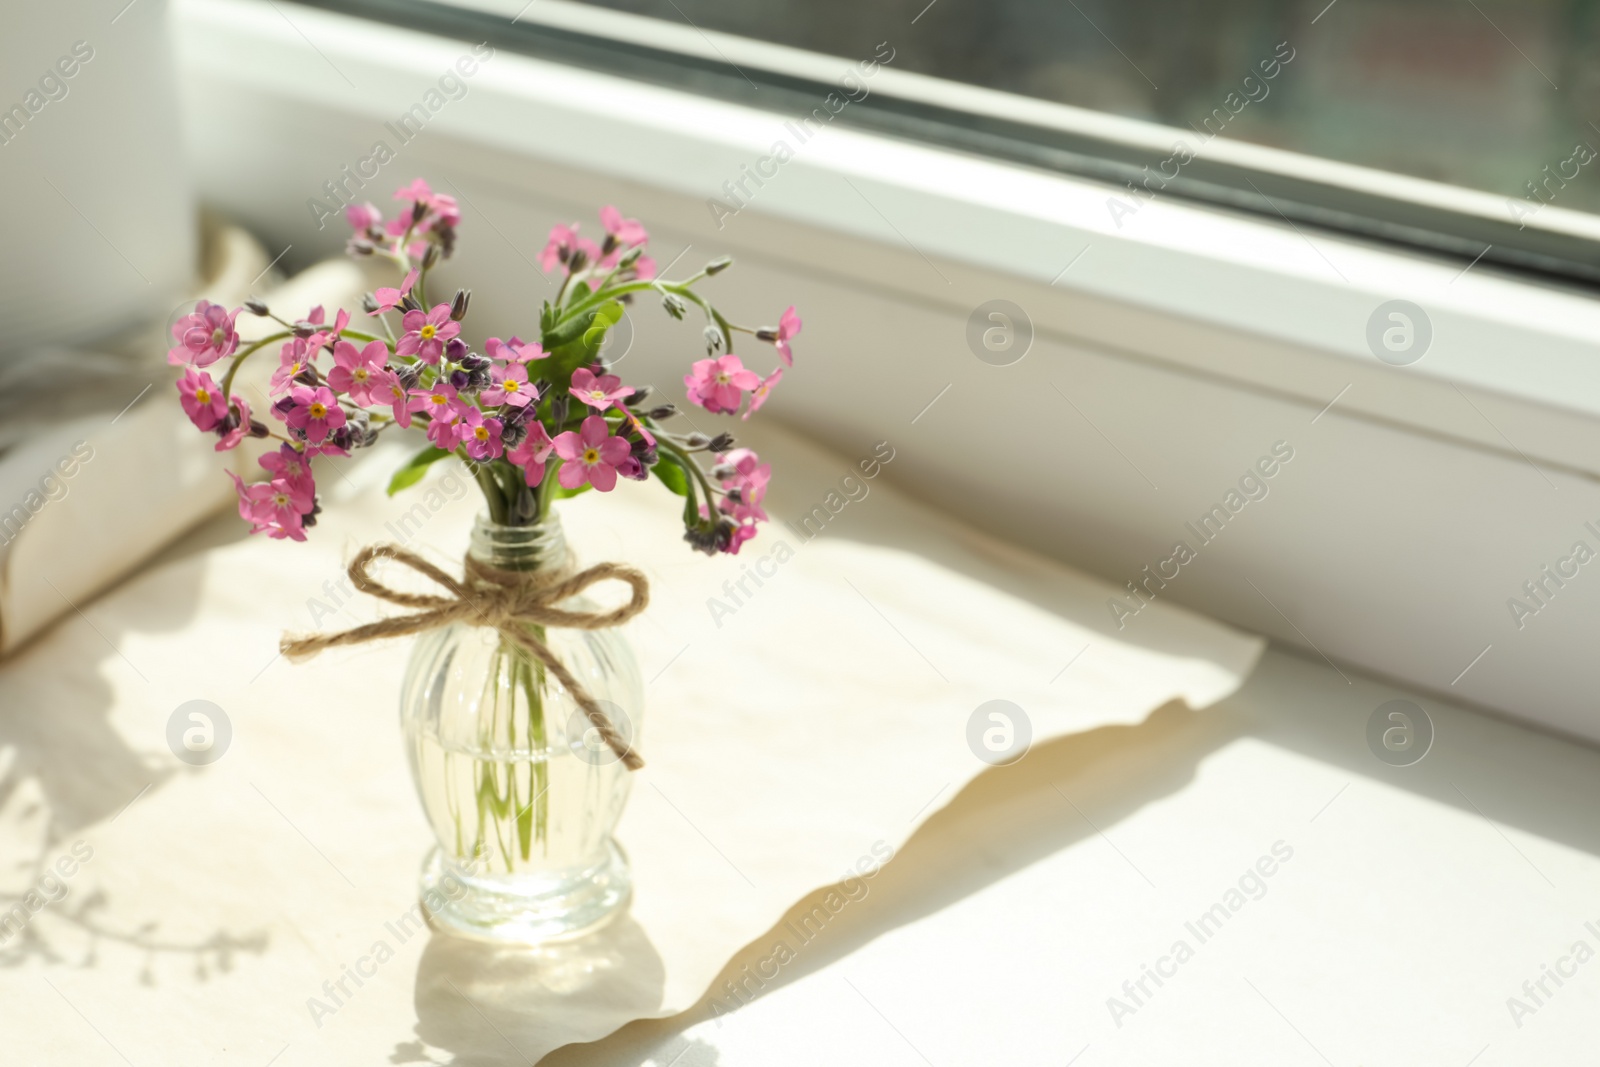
pixel 818 725
pixel 86 502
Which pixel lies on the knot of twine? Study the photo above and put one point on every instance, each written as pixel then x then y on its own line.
pixel 511 602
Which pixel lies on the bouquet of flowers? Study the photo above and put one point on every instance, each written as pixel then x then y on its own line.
pixel 533 421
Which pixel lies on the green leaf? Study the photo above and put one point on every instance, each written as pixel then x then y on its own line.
pixel 672 476
pixel 571 329
pixel 602 319
pixel 415 468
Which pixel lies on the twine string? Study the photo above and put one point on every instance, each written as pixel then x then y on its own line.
pixel 511 602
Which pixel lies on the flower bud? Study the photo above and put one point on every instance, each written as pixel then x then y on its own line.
pixel 558 410
pixel 359 246
pixel 256 306
pixel 308 376
pixel 640 393
pixel 460 379
pixel 258 429
pixel 766 335
pixel 369 304
pixel 409 302
pixel 723 471
pixel 576 261
pixel 630 257
pixel 717 266
pixel 458 306
pixel 665 411
pixel 431 257
pixel 674 305
pixel 713 340
pixel 697 440
pixel 419 211
pixel 610 244
pixel 722 442
pixel 304 329
pixel 456 350
pixel 409 375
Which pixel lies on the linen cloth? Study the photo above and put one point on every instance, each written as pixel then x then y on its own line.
pixel 799 736
pixel 86 501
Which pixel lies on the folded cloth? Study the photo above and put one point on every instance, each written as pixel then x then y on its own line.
pixel 797 729
pixel 85 500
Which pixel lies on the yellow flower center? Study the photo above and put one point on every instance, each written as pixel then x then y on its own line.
pixel 512 385
pixel 360 375
pixel 591 456
pixel 481 432
pixel 439 400
pixel 202 395
pixel 217 337
pixel 722 379
pixel 318 410
pixel 597 394
pixel 427 332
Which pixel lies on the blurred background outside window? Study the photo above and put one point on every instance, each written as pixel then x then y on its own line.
pixel 1483 94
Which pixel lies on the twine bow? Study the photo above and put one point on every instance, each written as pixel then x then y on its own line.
pixel 508 601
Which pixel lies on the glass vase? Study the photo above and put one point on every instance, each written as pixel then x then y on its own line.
pixel 520 790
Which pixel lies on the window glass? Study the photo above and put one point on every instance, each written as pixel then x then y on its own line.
pixel 1496 95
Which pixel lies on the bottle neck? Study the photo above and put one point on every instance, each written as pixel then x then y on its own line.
pixel 539 547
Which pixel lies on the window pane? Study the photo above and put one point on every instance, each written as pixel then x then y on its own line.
pixel 1485 94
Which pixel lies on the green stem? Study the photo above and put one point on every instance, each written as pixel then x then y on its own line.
pixel 533 688
pixel 227 379
pixel 491 491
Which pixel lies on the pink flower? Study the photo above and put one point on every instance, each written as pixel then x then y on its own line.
pixel 719 384
pixel 530 454
pixel 426 333
pixel 202 399
pixel 323 337
pixel 356 370
pixel 510 386
pixel 444 207
pixel 445 430
pixel 362 217
pixel 389 299
pixel 749 480
pixel 741 533
pixel 418 191
pixel 788 326
pixel 293 358
pixel 388 390
pixel 444 411
pixel 232 432
pixel 645 268
pixel 271 507
pixel 482 436
pixel 558 248
pixel 599 392
pixel 315 411
pixel 628 232
pixel 763 391
pixel 205 336
pixel 291 468
pixel 590 456
pixel 514 351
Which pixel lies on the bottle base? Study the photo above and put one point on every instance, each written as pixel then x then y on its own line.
pixel 526 909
